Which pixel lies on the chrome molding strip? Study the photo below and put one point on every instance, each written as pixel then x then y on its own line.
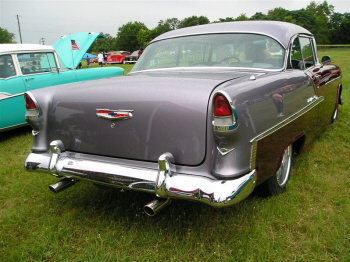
pixel 219 33
pixel 224 151
pixel 255 140
pixel 248 70
pixel 8 96
pixel 13 127
pixel 332 80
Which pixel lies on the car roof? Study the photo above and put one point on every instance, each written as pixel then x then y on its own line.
pixel 15 48
pixel 281 31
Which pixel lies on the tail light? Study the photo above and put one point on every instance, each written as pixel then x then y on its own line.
pixel 33 110
pixel 223 112
pixel 221 106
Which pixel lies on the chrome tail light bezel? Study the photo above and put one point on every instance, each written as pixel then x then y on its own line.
pixel 33 113
pixel 224 123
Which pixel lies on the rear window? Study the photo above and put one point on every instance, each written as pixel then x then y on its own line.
pixel 215 50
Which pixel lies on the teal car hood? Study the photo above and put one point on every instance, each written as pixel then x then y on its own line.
pixel 72 48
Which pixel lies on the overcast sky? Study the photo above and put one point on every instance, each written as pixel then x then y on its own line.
pixel 50 19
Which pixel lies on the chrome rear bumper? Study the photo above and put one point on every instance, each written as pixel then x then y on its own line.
pixel 164 182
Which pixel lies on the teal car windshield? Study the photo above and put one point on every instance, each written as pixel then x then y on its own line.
pixel 215 50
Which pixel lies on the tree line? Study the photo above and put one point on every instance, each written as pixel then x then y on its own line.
pixel 328 26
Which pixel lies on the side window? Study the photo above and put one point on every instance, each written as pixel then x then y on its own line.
pixel 7 68
pixel 302 55
pixel 34 63
pixel 306 49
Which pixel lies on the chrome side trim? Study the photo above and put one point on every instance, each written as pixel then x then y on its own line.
pixel 224 151
pixel 248 70
pixel 332 80
pixel 219 32
pixel 163 181
pixel 13 127
pixel 8 95
pixel 254 141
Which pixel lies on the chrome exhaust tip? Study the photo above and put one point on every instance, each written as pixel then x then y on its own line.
pixel 62 185
pixel 153 207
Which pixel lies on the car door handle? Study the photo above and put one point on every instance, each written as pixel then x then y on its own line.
pixel 29 79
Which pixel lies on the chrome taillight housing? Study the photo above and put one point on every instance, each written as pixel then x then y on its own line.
pixel 224 113
pixel 33 110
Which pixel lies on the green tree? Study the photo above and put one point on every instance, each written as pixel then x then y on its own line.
pixel 258 16
pixel 345 29
pixel 305 19
pixel 193 20
pixel 6 36
pixel 242 17
pixel 127 36
pixel 164 26
pixel 227 19
pixel 322 13
pixel 340 28
pixel 144 36
pixel 277 14
pixel 173 23
pixel 103 44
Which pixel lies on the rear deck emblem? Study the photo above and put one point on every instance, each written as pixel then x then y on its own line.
pixel 118 114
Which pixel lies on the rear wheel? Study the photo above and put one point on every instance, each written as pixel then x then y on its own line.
pixel 278 182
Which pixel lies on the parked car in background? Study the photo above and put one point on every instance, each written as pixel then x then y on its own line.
pixel 25 67
pixel 131 59
pixel 94 60
pixel 208 114
pixel 117 57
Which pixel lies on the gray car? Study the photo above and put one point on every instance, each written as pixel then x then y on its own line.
pixel 208 113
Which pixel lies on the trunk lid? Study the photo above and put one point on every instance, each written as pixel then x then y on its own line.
pixel 169 114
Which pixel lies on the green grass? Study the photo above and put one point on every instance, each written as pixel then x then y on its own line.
pixel 310 222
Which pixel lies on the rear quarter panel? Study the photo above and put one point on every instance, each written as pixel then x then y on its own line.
pixel 263 133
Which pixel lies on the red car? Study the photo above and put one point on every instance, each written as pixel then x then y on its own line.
pixel 117 57
pixel 93 60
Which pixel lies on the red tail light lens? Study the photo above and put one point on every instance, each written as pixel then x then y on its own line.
pixel 221 106
pixel 29 102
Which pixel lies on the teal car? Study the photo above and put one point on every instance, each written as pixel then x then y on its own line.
pixel 25 67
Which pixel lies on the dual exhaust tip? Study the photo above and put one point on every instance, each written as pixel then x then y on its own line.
pixel 151 209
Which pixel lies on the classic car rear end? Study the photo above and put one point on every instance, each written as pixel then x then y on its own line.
pixel 198 118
